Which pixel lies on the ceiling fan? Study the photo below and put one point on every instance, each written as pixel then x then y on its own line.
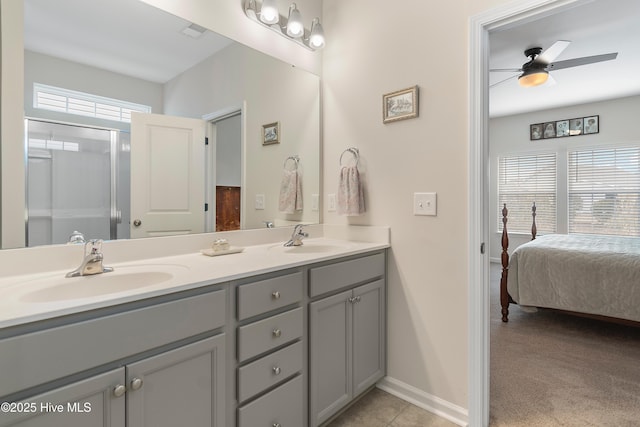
pixel 536 71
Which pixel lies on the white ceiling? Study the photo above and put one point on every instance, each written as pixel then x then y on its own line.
pixel 598 27
pixel 124 36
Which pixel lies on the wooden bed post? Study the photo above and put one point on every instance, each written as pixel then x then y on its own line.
pixel 504 294
pixel 534 229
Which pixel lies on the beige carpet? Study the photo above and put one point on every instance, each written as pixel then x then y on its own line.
pixel 553 369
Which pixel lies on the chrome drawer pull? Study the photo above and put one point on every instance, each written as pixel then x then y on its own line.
pixel 119 390
pixel 277 332
pixel 275 295
pixel 276 425
pixel 276 370
pixel 136 384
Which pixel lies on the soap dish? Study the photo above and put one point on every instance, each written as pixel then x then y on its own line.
pixel 231 250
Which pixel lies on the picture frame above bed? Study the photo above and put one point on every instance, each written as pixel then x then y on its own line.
pixel 588 125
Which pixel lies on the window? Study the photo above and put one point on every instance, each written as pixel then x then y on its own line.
pixel 84 104
pixel 604 191
pixel 523 180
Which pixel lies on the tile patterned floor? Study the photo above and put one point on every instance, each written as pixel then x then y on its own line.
pixel 380 409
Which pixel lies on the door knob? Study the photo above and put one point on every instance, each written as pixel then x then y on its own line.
pixel 137 223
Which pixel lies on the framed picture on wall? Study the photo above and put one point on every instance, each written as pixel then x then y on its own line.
pixel 575 126
pixel 549 130
pixel 591 124
pixel 400 105
pixel 535 131
pixel 562 128
pixel 271 133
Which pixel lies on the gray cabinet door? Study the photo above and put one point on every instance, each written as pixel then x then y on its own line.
pixel 368 335
pixel 330 325
pixel 87 403
pixel 184 386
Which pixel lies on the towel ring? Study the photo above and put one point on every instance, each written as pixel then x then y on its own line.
pixel 295 159
pixel 352 150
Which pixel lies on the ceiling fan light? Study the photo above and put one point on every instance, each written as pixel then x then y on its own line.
pixel 533 78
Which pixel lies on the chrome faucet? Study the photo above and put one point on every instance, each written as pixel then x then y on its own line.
pixel 297 236
pixel 92 262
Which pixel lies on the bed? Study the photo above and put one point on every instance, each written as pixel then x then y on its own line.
pixel 584 274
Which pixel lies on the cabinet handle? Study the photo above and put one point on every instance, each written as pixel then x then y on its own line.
pixel 352 300
pixel 275 295
pixel 276 370
pixel 358 299
pixel 277 332
pixel 136 384
pixel 119 390
pixel 276 425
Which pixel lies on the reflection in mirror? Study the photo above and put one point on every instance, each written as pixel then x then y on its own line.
pixel 124 50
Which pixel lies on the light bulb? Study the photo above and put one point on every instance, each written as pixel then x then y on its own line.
pixel 294 23
pixel 269 12
pixel 316 39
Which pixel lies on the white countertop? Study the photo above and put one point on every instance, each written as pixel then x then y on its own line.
pixel 187 271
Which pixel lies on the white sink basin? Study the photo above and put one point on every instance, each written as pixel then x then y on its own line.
pixel 312 247
pixel 122 279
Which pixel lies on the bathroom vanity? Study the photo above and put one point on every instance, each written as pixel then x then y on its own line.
pixel 271 336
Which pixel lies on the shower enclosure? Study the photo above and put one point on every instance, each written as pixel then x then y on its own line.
pixel 77 180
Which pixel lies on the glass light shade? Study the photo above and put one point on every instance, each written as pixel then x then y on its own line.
pixel 294 23
pixel 534 78
pixel 269 12
pixel 316 39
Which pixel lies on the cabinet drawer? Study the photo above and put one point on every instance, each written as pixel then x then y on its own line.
pixel 268 371
pixel 261 336
pixel 282 406
pixel 105 339
pixel 332 277
pixel 266 295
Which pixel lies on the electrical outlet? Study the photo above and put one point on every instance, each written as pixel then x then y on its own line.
pixel 424 204
pixel 331 202
pixel 259 203
pixel 315 202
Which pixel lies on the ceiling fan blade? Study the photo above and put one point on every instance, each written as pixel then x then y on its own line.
pixel 550 81
pixel 552 52
pixel 503 80
pixel 506 70
pixel 581 61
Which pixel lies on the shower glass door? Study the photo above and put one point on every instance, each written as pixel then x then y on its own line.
pixel 71 182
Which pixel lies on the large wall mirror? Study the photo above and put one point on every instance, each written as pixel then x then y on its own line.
pixel 260 117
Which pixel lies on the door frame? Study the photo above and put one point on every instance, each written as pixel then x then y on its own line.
pixel 480 25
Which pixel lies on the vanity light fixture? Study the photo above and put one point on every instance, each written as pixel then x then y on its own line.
pixel 291 27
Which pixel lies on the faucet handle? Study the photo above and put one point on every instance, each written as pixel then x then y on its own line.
pixel 93 246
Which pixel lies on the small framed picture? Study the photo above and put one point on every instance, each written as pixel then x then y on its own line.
pixel 591 124
pixel 271 133
pixel 535 131
pixel 575 127
pixel 549 130
pixel 562 128
pixel 400 105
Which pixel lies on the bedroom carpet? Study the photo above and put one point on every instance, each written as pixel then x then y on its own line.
pixel 554 369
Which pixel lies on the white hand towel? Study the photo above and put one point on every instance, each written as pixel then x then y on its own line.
pixel 290 199
pixel 350 192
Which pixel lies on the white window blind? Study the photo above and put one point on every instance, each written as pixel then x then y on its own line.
pixel 84 104
pixel 604 191
pixel 523 180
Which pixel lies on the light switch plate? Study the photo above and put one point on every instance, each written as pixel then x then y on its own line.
pixel 424 204
pixel 259 203
pixel 331 202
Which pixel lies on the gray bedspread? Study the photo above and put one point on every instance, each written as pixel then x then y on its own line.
pixel 582 273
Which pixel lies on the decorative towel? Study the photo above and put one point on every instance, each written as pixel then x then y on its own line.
pixel 290 199
pixel 350 192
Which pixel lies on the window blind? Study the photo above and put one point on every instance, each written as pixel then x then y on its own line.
pixel 84 104
pixel 523 180
pixel 604 191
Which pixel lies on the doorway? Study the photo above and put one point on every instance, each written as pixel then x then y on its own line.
pixel 480 26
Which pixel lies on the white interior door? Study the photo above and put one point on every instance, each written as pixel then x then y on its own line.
pixel 168 175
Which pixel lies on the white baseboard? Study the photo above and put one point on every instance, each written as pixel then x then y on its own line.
pixel 426 401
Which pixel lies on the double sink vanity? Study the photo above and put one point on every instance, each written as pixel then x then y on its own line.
pixel 271 336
